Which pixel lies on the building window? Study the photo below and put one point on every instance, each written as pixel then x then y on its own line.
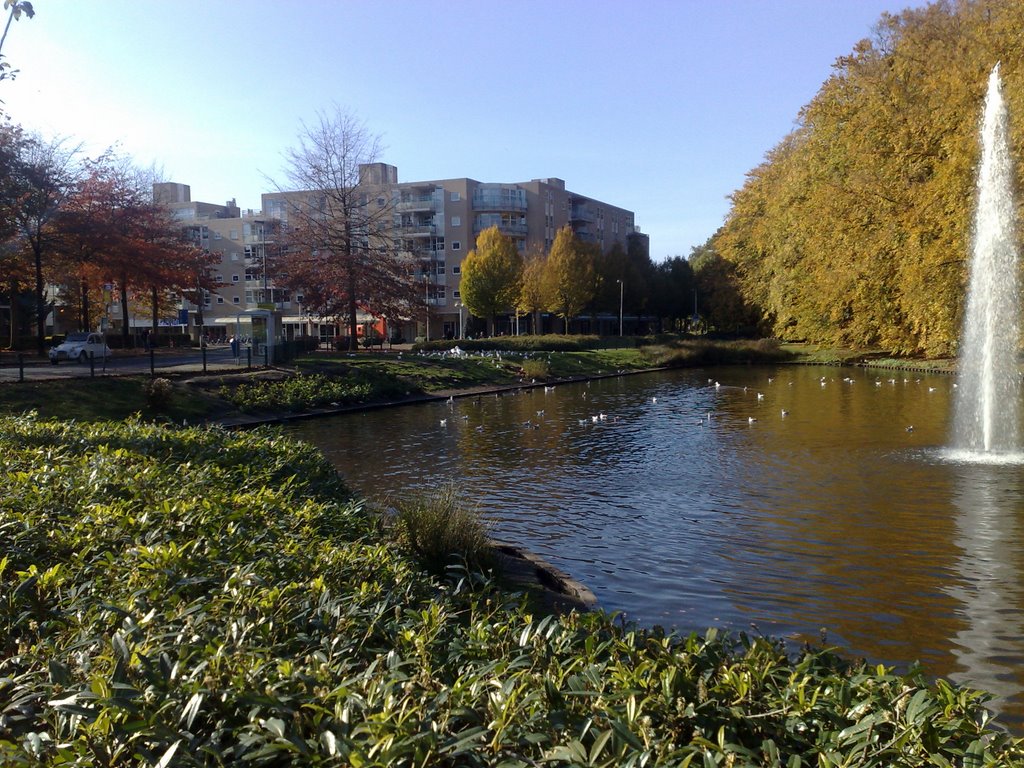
pixel 456 294
pixel 456 221
pixel 234 257
pixel 217 235
pixel 456 245
pixel 456 269
pixel 220 299
pixel 234 278
pixel 234 234
pixel 299 298
pixel 456 197
pixel 236 300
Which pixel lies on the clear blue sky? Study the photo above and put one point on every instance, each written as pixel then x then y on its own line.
pixel 658 106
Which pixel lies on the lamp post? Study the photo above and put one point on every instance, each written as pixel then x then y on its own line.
pixel 426 305
pixel 620 305
pixel 460 305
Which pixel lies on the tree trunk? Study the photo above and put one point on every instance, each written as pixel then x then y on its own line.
pixel 40 301
pixel 353 325
pixel 124 312
pixel 156 317
pixel 86 325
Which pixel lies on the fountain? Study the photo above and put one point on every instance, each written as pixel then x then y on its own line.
pixel 986 421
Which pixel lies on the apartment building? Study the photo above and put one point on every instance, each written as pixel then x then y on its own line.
pixel 435 222
pixel 243 240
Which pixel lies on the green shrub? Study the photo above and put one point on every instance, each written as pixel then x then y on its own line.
pixel 159 393
pixel 298 393
pixel 197 597
pixel 440 531
pixel 693 352
pixel 536 369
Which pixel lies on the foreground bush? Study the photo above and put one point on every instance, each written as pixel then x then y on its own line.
pixel 195 597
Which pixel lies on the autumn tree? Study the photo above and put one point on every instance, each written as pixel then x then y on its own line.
pixel 111 231
pixel 41 175
pixel 856 228
pixel 570 277
pixel 531 292
pixel 492 276
pixel 338 248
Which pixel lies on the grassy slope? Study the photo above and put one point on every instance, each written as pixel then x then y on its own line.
pixel 392 376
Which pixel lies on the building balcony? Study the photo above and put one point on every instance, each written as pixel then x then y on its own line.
pixel 421 203
pixel 416 230
pixel 511 230
pixel 498 203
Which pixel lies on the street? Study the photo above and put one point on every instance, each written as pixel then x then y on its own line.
pixel 131 363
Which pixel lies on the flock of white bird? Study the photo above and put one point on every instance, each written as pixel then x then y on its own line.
pixel 602 417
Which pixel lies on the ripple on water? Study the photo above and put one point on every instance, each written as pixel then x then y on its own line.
pixel 834 516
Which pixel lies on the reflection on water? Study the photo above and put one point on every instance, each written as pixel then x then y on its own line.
pixel 989 590
pixel 691 505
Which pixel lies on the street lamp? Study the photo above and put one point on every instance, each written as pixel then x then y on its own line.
pixel 620 305
pixel 460 305
pixel 426 305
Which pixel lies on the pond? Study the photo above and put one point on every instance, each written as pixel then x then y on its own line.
pixel 801 502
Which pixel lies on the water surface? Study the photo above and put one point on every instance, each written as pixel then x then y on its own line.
pixel 846 517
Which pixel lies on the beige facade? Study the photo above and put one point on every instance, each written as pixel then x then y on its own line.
pixel 436 222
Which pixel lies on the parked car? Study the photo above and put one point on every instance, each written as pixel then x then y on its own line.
pixel 80 347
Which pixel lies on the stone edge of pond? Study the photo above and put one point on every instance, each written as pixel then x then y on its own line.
pixel 559 591
pixel 243 421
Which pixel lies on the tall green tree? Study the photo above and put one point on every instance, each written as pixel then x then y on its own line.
pixel 673 297
pixel 625 273
pixel 716 281
pixel 492 275
pixel 570 275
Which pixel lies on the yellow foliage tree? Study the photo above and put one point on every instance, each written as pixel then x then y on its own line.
pixel 491 276
pixel 570 276
pixel 855 230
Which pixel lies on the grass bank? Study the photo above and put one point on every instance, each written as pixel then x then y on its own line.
pixel 325 380
pixel 164 600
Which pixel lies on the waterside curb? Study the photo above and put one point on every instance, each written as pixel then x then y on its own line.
pixel 560 592
pixel 257 420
